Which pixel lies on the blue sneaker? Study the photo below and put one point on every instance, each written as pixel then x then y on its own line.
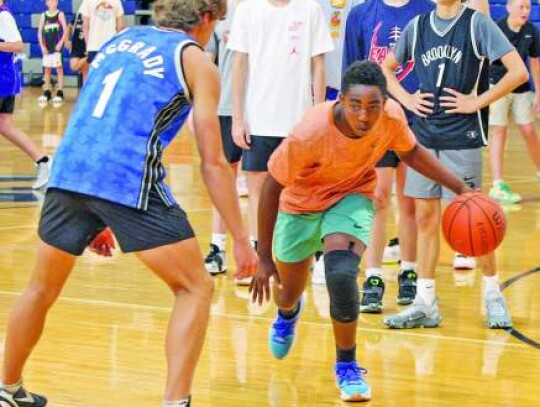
pixel 351 383
pixel 281 335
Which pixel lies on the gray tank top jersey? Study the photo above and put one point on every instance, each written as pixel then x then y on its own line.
pixel 448 59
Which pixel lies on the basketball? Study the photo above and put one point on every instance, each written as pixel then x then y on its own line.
pixel 473 224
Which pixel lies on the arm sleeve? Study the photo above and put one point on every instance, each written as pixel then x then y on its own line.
pixel 288 160
pixel 534 51
pixel 352 43
pixel 239 36
pixel 404 139
pixel 490 40
pixel 403 50
pixel 321 42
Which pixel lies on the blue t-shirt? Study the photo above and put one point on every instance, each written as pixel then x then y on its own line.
pixel 131 107
pixel 10 83
pixel 373 29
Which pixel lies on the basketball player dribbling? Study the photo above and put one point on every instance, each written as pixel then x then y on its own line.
pixel 322 178
pixel 449 47
pixel 114 177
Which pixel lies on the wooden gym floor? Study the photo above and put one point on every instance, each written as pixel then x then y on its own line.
pixel 103 345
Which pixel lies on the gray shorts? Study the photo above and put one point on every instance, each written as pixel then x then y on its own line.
pixel 465 164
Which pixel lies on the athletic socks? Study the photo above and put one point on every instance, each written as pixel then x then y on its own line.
pixel 220 240
pixel 491 283
pixel 11 388
pixel 346 355
pixel 374 272
pixel 177 403
pixel 290 314
pixel 425 290
pixel 407 265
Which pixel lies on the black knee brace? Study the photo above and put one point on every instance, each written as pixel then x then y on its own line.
pixel 341 270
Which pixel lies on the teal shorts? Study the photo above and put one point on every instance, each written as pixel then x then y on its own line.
pixel 298 236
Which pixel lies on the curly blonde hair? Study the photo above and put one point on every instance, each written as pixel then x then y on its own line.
pixel 186 14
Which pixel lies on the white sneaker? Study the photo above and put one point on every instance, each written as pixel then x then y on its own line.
pixel 498 316
pixel 318 276
pixel 57 101
pixel 243 282
pixel 462 262
pixel 42 176
pixel 215 261
pixel 392 252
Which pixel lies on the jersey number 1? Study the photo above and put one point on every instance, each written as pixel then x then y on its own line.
pixel 441 73
pixel 110 82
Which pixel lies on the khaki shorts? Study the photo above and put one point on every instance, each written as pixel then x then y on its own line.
pixel 522 109
pixel 53 60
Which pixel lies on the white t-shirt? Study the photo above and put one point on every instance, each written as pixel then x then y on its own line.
pixel 336 12
pixel 102 15
pixel 8 28
pixel 280 42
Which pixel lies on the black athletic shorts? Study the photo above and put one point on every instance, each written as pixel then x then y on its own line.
pixel 70 221
pixel 233 153
pixel 389 160
pixel 91 55
pixel 7 104
pixel 262 147
pixel 78 48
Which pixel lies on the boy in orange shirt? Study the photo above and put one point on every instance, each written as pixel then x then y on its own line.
pixel 318 195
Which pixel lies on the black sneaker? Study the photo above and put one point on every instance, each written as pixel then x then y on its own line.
pixel 215 261
pixel 407 287
pixel 21 398
pixel 372 296
pixel 47 94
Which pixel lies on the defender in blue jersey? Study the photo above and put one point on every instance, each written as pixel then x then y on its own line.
pixel 10 86
pixel 109 173
pixel 449 47
pixel 373 28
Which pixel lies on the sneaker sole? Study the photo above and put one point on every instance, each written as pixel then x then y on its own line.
pixel 426 323
pixel 405 301
pixel 371 309
pixel 356 397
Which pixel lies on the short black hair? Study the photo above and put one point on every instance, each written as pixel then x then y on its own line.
pixel 363 73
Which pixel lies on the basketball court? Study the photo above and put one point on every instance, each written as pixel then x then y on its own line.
pixel 103 344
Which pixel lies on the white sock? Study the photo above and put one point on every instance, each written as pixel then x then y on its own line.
pixel 491 283
pixel 177 403
pixel 253 241
pixel 374 272
pixel 407 265
pixel 497 182
pixel 426 290
pixel 11 388
pixel 220 240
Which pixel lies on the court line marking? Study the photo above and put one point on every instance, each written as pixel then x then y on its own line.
pixel 269 320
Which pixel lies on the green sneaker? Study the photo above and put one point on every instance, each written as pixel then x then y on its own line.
pixel 502 193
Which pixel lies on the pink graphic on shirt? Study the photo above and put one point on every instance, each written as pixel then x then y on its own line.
pixel 294 37
pixel 378 53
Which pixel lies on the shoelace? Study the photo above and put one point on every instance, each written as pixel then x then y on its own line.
pixel 284 327
pixel 351 373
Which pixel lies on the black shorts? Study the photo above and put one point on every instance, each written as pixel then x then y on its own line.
pixel 233 153
pixel 70 221
pixel 389 160
pixel 262 147
pixel 7 104
pixel 78 49
pixel 91 55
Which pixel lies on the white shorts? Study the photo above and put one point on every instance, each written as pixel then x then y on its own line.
pixel 522 109
pixel 53 60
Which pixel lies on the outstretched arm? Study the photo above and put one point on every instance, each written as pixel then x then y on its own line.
pixel 422 161
pixel 267 214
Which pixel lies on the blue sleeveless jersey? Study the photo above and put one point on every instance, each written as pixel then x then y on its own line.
pixel 10 83
pixel 448 59
pixel 131 107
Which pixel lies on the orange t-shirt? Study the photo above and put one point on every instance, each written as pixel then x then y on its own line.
pixel 319 165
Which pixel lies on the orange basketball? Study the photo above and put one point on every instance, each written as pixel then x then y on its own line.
pixel 473 224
